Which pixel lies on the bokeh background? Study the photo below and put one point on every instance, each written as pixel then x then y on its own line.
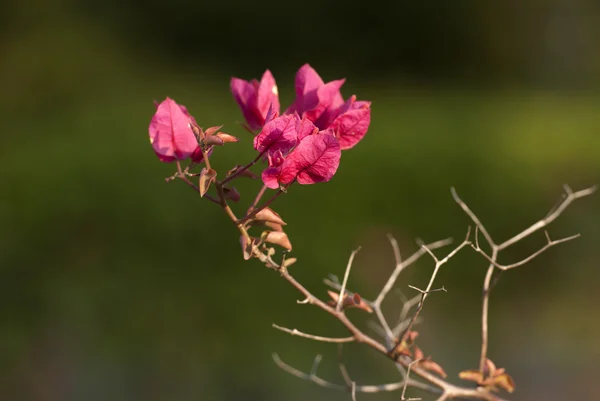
pixel 117 286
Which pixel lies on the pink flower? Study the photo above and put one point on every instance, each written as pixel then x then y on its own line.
pixel 256 99
pixel 323 104
pixel 316 100
pixel 171 133
pixel 297 151
pixel 352 122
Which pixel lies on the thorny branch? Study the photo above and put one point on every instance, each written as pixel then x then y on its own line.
pixel 568 197
pixel 406 365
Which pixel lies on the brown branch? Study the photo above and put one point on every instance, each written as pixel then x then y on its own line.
pixel 295 332
pixel 182 176
pixel 438 264
pixel 565 201
pixel 571 196
pixel 338 307
pixel 378 388
pixel 410 365
pixel 528 259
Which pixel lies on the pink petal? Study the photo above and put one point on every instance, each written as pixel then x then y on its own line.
pixel 270 177
pixel 170 132
pixel 315 159
pixel 329 99
pixel 278 134
pixel 257 100
pixel 304 128
pixel 353 123
pixel 307 83
pixel 244 93
pixel 268 95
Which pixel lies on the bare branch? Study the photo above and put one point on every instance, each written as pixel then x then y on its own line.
pixel 402 398
pixel 428 292
pixel 324 383
pixel 338 307
pixel 298 333
pixel 571 196
pixel 342 367
pixel 528 259
pixel 425 293
pixel 473 217
pixel 402 265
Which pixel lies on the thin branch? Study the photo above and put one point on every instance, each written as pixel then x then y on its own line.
pixel 473 217
pixel 298 333
pixel 338 307
pixel 242 169
pixel 378 388
pixel 424 294
pixel 571 196
pixel 528 259
pixel 181 175
pixel 402 319
pixel 410 365
pixel 261 207
pixel 401 265
pixel 257 198
pixel 566 199
pixel 342 367
pixel 315 365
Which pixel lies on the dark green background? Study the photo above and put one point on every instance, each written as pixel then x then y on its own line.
pixel 116 286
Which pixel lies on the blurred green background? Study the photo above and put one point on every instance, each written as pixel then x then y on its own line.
pixel 117 286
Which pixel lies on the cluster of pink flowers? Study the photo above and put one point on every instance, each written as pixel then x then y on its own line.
pixel 302 144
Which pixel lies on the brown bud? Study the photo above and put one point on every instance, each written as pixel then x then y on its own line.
pixel 207 176
pixel 227 138
pixel 471 375
pixel 504 381
pixel 197 130
pixel 402 348
pixel 418 353
pixel 274 226
pixel 231 193
pixel 247 246
pixel 432 366
pixel 267 214
pixel 212 141
pixel 288 262
pixel 349 301
pixel 212 130
pixel 278 238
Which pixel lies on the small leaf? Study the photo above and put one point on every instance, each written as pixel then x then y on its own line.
pixel 472 375
pixel 232 194
pixel 212 130
pixel 289 262
pixel 432 366
pixel 207 176
pixel 247 246
pixel 504 381
pixel 226 138
pixel 273 226
pixel 213 141
pixel 490 368
pixel 402 348
pixel 361 304
pixel 418 353
pixel 278 238
pixel 268 214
